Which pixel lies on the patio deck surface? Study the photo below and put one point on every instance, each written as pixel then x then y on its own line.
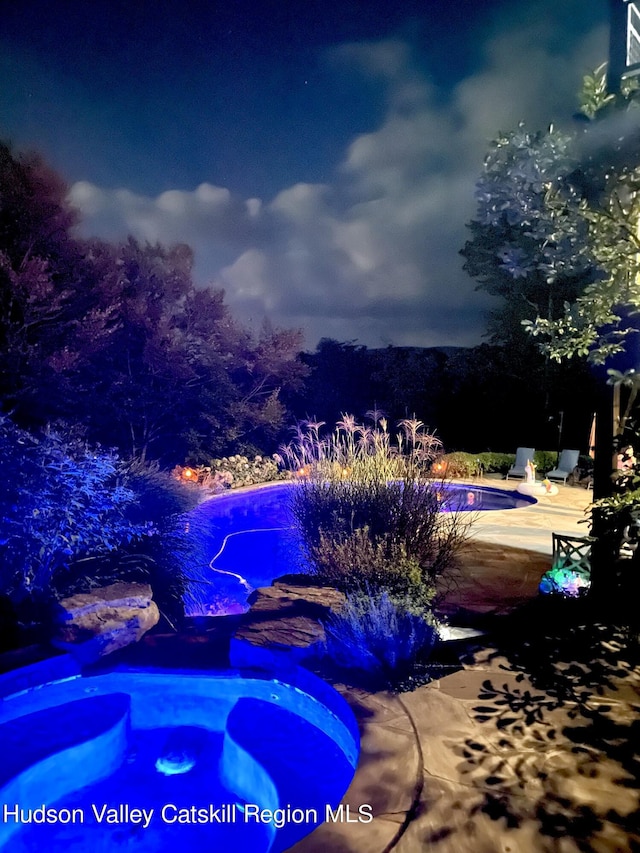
pixel 510 549
pixel 531 745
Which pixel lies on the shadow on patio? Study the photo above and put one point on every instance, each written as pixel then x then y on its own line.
pixel 539 743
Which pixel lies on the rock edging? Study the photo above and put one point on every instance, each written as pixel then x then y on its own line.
pixel 93 624
pixel 284 623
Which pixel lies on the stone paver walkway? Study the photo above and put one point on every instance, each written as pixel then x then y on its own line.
pixel 530 528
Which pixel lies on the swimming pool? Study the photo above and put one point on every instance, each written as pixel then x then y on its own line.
pixel 152 761
pixel 249 541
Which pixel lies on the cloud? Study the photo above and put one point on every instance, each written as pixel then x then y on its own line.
pixel 372 254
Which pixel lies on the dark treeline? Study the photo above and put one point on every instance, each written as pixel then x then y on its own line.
pixel 488 397
pixel 115 342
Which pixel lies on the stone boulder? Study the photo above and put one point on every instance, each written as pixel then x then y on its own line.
pixel 93 624
pixel 284 623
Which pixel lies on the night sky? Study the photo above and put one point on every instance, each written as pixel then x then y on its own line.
pixel 320 156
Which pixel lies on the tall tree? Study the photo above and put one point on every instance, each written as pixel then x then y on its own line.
pixel 569 208
pixel 557 227
pixel 526 249
pixel 45 285
pixel 340 380
pixel 177 376
pixel 119 338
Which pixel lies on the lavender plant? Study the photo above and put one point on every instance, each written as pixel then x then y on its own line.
pixel 380 636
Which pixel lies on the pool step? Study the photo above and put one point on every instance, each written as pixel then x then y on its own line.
pixel 51 753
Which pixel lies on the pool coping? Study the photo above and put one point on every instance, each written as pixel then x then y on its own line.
pixel 387 784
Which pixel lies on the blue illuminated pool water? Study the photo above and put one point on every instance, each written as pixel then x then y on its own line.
pixel 108 751
pixel 249 540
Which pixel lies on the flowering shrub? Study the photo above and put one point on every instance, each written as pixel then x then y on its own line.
pixel 231 472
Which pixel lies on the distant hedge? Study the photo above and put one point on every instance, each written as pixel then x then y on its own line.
pixel 463 465
pixel 458 465
pixel 496 463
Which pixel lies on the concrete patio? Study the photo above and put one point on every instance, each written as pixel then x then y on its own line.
pixel 530 745
pixel 509 550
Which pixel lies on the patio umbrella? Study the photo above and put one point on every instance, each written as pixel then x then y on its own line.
pixel 592 438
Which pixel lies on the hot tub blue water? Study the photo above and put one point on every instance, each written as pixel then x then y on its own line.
pixel 152 761
pixel 249 539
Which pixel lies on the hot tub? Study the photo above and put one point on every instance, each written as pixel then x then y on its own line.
pixel 150 760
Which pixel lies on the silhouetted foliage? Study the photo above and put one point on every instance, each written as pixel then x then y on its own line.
pixel 119 339
pixel 489 397
pixel 44 286
pixel 339 380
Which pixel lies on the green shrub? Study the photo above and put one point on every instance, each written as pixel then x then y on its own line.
pixel 379 635
pixel 458 465
pixel 496 463
pixel 545 460
pixel 358 559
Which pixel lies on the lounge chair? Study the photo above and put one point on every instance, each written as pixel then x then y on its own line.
pixel 567 462
pixel 523 455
